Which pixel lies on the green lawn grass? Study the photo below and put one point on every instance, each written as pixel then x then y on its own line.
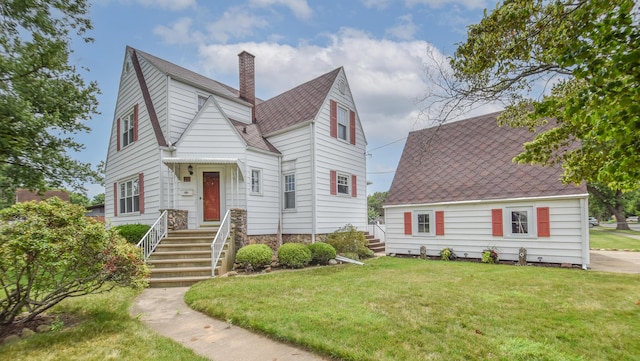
pixel 609 238
pixel 105 332
pixel 409 309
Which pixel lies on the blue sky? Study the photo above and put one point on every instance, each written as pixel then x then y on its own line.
pixel 383 45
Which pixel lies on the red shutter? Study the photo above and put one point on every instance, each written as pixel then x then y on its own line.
pixel 115 198
pixel 334 119
pixel 544 228
pixel 354 186
pixel 496 221
pixel 141 192
pixel 352 126
pixel 407 223
pixel 118 134
pixel 334 182
pixel 135 122
pixel 439 223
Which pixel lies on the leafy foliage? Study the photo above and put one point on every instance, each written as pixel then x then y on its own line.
pixel 375 203
pixel 294 255
pixel 322 252
pixel 133 233
pixel 50 251
pixel 588 53
pixel 43 99
pixel 349 239
pixel 258 255
pixel 447 254
pixel 490 256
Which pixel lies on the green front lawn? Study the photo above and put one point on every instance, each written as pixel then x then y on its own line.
pixel 609 238
pixel 104 331
pixel 409 309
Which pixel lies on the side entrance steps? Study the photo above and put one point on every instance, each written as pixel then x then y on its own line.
pixel 184 258
pixel 375 244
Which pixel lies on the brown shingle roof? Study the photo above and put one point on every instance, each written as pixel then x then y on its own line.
pixel 251 134
pixel 295 106
pixel 471 160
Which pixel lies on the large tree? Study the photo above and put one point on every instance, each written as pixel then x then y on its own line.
pixel 44 100
pixel 577 61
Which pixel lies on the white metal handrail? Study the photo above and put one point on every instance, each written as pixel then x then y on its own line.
pixel 378 231
pixel 218 242
pixel 153 236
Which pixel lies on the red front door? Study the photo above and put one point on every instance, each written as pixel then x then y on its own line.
pixel 211 196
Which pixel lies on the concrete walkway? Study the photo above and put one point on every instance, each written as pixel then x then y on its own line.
pixel 615 261
pixel 164 311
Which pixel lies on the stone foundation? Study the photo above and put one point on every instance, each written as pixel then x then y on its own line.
pixel 239 227
pixel 177 219
pixel 271 240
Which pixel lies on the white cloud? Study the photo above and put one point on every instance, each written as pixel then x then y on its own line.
pixel 300 8
pixel 385 76
pixel 236 22
pixel 469 4
pixel 379 4
pixel 405 29
pixel 179 32
pixel 170 4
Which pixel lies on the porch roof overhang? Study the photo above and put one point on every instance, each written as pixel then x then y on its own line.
pixel 177 160
pixel 201 160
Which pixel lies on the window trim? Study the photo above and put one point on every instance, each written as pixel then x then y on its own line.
pixel 415 216
pixel 346 186
pixel 122 207
pixel 531 222
pixel 259 183
pixel 347 123
pixel 128 119
pixel 284 191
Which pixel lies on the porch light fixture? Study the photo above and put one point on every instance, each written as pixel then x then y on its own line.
pixel 190 169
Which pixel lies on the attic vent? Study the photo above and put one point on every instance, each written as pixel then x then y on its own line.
pixel 342 86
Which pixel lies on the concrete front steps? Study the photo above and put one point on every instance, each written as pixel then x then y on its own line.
pixel 375 244
pixel 183 258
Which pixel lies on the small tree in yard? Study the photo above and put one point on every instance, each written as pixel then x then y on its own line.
pixel 50 251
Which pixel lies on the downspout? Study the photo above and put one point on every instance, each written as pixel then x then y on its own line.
pixel 584 225
pixel 313 182
pixel 164 169
pixel 280 200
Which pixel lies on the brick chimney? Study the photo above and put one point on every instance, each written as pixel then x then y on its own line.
pixel 248 80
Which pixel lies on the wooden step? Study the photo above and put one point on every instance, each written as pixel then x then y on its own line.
pixel 176 281
pixel 173 272
pixel 180 262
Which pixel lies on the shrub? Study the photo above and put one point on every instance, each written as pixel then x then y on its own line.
pixel 133 233
pixel 490 256
pixel 258 255
pixel 294 255
pixel 448 254
pixel 321 252
pixel 349 239
pixel 50 251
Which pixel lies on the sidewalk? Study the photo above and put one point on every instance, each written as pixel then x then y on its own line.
pixel 615 261
pixel 164 311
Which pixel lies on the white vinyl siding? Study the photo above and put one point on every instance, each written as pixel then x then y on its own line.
pixel 469 230
pixel 141 156
pixel 263 211
pixel 347 159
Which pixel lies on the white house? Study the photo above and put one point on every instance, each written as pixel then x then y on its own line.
pixel 457 186
pixel 181 141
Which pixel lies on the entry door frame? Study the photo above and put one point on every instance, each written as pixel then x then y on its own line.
pixel 199 171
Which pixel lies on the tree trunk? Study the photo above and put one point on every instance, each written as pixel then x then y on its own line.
pixel 614 204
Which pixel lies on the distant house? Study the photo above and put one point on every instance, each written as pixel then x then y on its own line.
pixel 96 212
pixel 25 195
pixel 181 141
pixel 456 186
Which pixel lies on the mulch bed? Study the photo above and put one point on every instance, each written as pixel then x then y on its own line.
pixel 16 327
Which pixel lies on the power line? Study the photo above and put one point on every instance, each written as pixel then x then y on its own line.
pixel 382 146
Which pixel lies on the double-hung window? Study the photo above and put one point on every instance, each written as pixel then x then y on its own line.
pixel 128 124
pixel 343 184
pixel 256 181
pixel 423 222
pixel 343 123
pixel 289 191
pixel 520 221
pixel 129 196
